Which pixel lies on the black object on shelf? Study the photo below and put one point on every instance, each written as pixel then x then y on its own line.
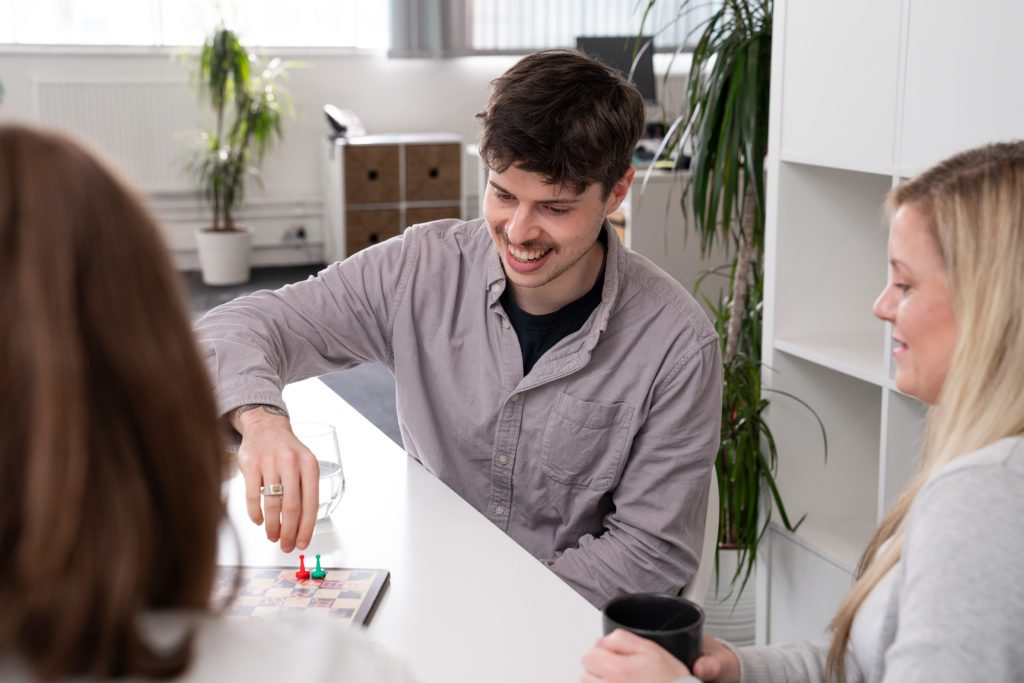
pixel 335 119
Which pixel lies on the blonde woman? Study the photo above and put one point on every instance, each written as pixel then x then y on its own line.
pixel 940 588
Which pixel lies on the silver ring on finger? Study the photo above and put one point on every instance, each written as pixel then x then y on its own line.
pixel 272 490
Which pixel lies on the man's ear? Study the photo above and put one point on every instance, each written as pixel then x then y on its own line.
pixel 619 191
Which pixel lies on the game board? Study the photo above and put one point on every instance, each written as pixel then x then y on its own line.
pixel 347 594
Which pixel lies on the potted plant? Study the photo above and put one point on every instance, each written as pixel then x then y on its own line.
pixel 248 103
pixel 727 120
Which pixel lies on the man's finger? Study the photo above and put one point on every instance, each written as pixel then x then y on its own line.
pixel 291 502
pixel 309 473
pixel 271 504
pixel 253 500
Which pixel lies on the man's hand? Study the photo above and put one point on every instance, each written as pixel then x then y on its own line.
pixel 271 454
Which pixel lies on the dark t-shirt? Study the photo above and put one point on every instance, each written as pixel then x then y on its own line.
pixel 538 333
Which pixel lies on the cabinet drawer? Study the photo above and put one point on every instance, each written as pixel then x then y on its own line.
pixel 426 214
pixel 432 172
pixel 371 174
pixel 366 228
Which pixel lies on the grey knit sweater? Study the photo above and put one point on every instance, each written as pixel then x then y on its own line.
pixel 955 604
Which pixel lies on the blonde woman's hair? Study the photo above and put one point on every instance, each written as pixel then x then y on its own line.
pixel 974 205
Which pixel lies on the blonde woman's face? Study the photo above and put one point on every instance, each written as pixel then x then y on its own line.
pixel 917 303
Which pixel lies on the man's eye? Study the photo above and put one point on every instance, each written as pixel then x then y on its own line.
pixel 557 210
pixel 503 196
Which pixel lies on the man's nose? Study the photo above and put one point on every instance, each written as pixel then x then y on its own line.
pixel 522 227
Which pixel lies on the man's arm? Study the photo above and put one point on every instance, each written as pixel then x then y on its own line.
pixel 256 344
pixel 652 539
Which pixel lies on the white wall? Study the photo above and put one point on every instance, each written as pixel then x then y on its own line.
pixel 390 95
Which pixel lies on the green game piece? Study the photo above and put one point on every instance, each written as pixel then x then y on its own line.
pixel 318 573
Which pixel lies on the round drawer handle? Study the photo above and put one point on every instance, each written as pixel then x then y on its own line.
pixel 374 238
pixel 372 175
pixel 434 173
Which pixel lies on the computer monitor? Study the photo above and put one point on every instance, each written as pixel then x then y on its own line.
pixel 617 51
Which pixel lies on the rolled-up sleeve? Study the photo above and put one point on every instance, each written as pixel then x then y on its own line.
pixel 256 344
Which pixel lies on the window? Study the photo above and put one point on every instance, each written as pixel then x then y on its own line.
pixel 303 23
pixel 496 26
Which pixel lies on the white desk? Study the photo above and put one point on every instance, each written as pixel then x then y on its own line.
pixel 465 602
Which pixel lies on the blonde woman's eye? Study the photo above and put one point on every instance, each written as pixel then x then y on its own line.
pixel 901 286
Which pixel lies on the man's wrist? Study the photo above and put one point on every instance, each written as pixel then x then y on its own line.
pixel 254 411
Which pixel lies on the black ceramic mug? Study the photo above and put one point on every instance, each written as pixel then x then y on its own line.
pixel 672 622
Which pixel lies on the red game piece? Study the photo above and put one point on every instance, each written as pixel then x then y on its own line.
pixel 303 573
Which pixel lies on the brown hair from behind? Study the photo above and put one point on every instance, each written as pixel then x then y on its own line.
pixel 564 116
pixel 110 449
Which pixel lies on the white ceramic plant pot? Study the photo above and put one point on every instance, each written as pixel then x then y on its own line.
pixel 725 617
pixel 224 255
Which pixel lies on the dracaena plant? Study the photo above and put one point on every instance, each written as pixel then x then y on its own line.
pixel 249 103
pixel 726 125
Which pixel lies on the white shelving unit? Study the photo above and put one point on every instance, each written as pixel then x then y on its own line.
pixel 865 93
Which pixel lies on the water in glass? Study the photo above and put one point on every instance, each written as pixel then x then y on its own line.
pixel 322 440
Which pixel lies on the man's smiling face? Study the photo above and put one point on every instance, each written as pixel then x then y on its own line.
pixel 547 235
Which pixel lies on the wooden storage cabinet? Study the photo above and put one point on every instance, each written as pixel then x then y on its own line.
pixel 433 172
pixel 372 174
pixel 430 213
pixel 377 185
pixel 366 228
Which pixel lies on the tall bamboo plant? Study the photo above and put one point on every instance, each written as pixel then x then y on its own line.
pixel 727 125
pixel 249 104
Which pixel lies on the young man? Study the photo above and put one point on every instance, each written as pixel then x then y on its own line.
pixel 563 385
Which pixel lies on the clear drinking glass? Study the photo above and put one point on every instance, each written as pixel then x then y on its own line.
pixel 321 439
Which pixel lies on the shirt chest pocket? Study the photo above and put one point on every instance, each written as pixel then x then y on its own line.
pixel 584 442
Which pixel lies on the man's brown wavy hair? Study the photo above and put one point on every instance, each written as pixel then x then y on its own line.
pixel 111 453
pixel 564 116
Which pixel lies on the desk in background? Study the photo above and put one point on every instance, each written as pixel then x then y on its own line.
pixel 655 227
pixel 465 602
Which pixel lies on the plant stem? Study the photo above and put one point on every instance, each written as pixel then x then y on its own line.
pixel 742 274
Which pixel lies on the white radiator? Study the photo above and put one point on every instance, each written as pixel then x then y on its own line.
pixel 145 127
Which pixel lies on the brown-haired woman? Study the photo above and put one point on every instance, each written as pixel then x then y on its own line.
pixel 938 595
pixel 111 453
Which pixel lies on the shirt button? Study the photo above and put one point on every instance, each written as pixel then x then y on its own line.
pixel 495 289
pixel 504 323
pixel 499 510
pixel 515 398
pixel 503 459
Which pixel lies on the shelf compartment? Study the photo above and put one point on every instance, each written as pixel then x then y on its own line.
pixel 839 164
pixel 859 354
pixel 839 496
pixel 831 252
pixel 805 586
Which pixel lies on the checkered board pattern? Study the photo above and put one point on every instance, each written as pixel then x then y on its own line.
pixel 346 594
